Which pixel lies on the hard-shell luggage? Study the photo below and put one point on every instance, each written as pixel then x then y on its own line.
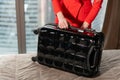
pixel 71 50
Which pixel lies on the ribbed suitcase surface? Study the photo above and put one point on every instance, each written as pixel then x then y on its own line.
pixel 69 50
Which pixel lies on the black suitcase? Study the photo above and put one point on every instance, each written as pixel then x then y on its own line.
pixel 70 50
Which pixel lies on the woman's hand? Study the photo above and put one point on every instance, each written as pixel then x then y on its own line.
pixel 85 25
pixel 62 22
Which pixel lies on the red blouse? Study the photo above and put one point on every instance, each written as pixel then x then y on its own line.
pixel 77 11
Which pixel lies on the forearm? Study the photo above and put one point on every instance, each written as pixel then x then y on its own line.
pixel 94 11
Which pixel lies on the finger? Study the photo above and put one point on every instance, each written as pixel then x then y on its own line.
pixel 65 25
pixel 61 25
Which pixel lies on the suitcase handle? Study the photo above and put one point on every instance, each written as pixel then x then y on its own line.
pixel 74 28
pixel 89 32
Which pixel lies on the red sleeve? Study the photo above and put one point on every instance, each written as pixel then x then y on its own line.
pixel 56 6
pixel 94 11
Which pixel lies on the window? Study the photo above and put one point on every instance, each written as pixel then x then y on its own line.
pixel 99 20
pixel 8 32
pixel 37 14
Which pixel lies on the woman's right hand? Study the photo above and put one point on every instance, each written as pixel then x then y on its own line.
pixel 62 22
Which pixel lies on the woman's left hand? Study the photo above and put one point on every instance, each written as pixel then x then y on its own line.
pixel 85 25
